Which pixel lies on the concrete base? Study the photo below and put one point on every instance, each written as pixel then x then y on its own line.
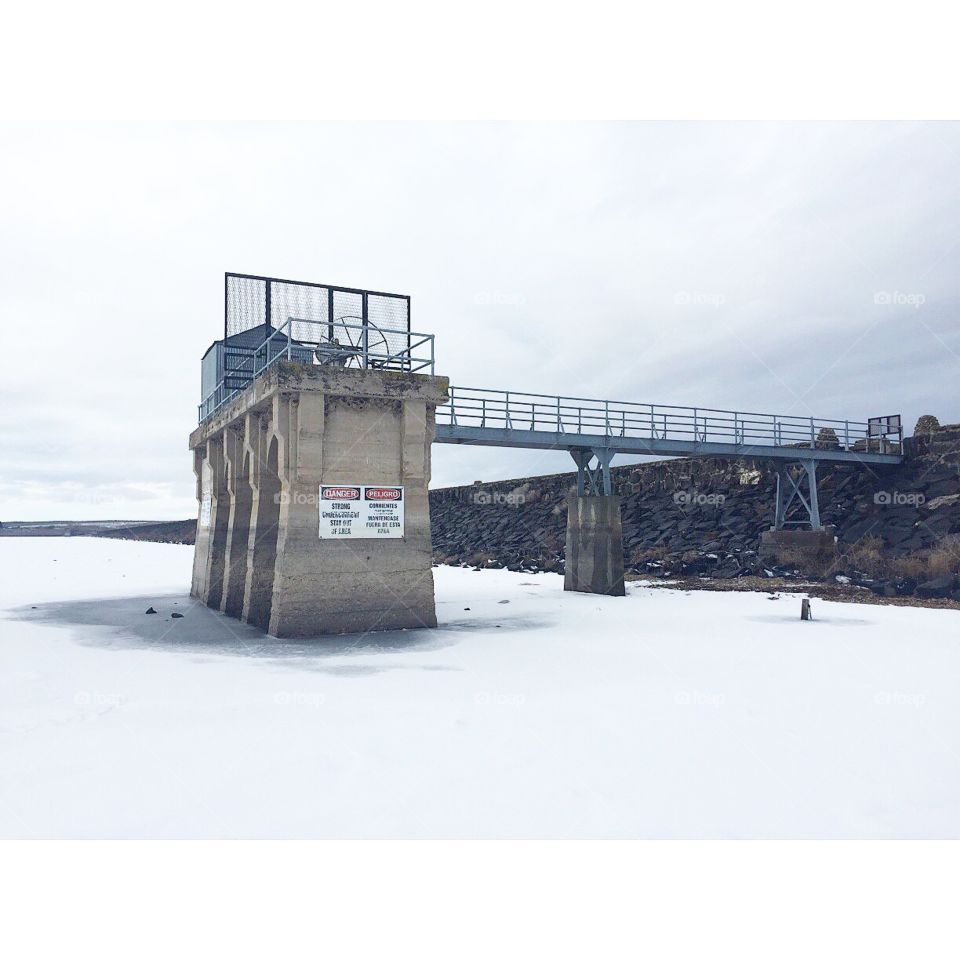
pixel 804 549
pixel 594 558
pixel 260 463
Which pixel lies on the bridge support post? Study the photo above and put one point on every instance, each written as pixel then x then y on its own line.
pixel 790 491
pixel 798 538
pixel 593 481
pixel 594 548
pixel 810 466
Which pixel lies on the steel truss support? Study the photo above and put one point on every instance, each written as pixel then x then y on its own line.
pixel 790 479
pixel 593 481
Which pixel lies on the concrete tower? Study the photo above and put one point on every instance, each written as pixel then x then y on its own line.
pixel 314 515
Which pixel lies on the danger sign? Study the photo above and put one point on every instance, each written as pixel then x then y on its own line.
pixel 356 512
pixel 340 493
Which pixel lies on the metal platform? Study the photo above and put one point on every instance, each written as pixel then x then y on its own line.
pixel 356 346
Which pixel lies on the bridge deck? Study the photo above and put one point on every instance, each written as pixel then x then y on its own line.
pixel 536 421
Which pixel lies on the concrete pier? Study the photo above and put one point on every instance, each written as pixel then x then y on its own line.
pixel 594 554
pixel 806 549
pixel 314 514
pixel 208 559
pixel 237 462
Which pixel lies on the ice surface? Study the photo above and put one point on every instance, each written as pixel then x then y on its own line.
pixel 660 714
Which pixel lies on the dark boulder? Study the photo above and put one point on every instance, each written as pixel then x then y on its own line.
pixel 937 587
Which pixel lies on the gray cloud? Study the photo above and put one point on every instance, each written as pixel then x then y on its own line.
pixel 724 265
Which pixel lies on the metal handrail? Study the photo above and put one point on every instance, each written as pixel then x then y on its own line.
pixel 501 409
pixel 416 356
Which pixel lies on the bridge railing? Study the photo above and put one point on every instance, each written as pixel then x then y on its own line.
pixel 573 416
pixel 339 344
pixel 345 344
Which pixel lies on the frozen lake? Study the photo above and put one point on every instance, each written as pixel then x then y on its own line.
pixel 533 713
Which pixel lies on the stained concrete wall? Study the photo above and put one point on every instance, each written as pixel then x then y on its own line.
pixel 212 522
pixel 238 528
pixel 295 428
pixel 804 549
pixel 201 549
pixel 262 535
pixel 594 551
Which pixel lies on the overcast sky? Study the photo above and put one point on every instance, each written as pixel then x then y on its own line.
pixel 727 265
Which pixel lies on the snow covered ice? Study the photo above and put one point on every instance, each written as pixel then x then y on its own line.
pixel 660 714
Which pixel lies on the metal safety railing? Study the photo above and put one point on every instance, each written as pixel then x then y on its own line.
pixel 573 416
pixel 342 344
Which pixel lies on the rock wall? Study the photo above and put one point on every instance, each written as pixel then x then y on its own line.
pixel 173 531
pixel 704 516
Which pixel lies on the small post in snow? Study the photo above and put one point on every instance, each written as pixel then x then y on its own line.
pixel 805 613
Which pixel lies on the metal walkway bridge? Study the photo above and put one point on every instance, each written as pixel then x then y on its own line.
pixel 593 431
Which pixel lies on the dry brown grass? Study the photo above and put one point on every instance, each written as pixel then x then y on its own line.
pixel 865 555
pixel 944 558
pixel 480 559
pixel 912 566
pixel 649 554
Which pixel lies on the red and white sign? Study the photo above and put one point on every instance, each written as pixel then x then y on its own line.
pixel 360 512
pixel 339 493
pixel 383 493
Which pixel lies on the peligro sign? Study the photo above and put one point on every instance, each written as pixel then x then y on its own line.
pixel 356 512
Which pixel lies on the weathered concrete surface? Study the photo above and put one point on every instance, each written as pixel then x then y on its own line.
pixel 265 487
pixel 212 523
pixel 806 549
pixel 238 526
pixel 201 548
pixel 594 552
pixel 293 429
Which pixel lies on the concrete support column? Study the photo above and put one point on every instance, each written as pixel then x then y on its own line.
pixel 594 554
pixel 298 427
pixel 202 541
pixel 238 528
pixel 209 558
pixel 262 449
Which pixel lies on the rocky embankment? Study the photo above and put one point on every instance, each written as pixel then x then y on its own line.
pixel 171 531
pixel 704 517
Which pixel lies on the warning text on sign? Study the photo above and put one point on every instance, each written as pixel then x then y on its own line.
pixel 360 512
